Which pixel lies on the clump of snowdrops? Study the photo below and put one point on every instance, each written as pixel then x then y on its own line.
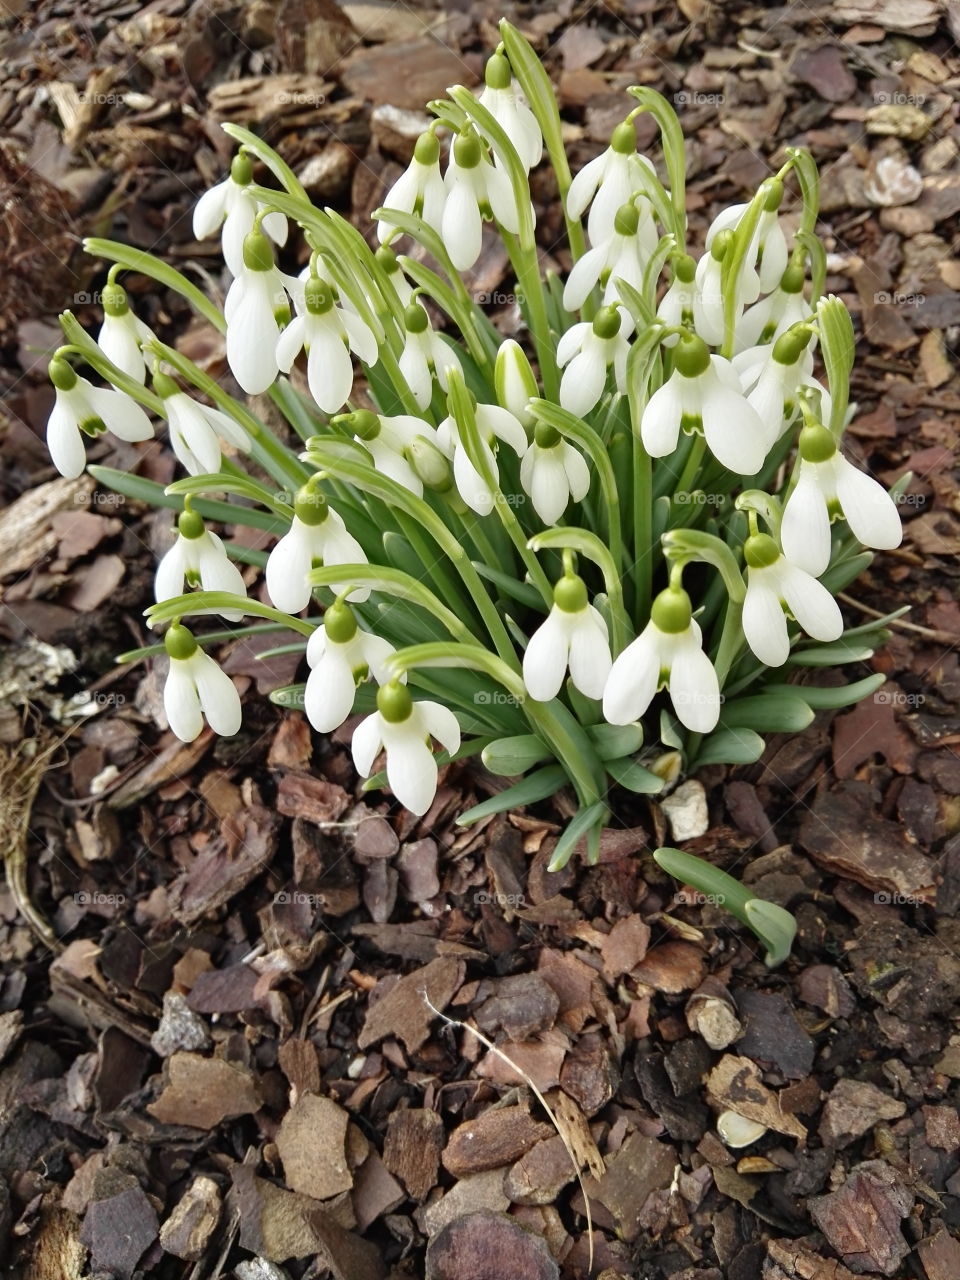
pixel 596 557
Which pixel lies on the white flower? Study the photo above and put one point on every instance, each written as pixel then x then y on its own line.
pixel 767 253
pixel 677 304
pixel 514 381
pixel 229 203
pixel 196 687
pixel 196 430
pixel 122 333
pixel 552 472
pixel 775 584
pixel 419 189
pixel 424 354
pixel 475 189
pixel 317 536
pixel 708 296
pixel 388 440
pixel 403 729
pixel 504 100
pixel 704 390
pixel 198 558
pixel 614 177
pixel 83 409
pixel 773 315
pixel 389 262
pixel 254 302
pixel 772 377
pixel 341 655
pixel 668 653
pixel 329 334
pixel 493 424
pixel 575 636
pixel 829 485
pixel 622 255
pixel 585 352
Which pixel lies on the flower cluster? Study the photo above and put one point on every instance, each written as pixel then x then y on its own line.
pixel 647 494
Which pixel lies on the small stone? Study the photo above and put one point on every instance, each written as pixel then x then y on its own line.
pixel 737 1131
pixel 686 811
pixel 180 1027
pixel 189 1227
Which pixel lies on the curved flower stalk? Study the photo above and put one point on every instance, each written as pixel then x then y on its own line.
pixel 425 489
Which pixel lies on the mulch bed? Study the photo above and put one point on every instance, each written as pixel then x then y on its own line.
pixel 244 1047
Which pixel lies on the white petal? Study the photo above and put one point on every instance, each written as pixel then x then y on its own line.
pixel 867 507
pixel 193 439
pixel 810 602
pixel 734 432
pixel 416 373
pixel 545 657
pixel 571 342
pixel 362 339
pixel 660 423
pixel 578 473
pixel 584 275
pixel 218 573
pixel 122 416
pixel 411 770
pixel 583 380
pixel 500 198
pixel 218 695
pixel 181 702
pixel 764 625
pixel 65 440
pixel 471 486
pixel 236 228
pixel 329 370
pixel 805 531
pixel 171 570
pixel 376 651
pixel 290 343
pixel 462 225
pixel 118 340
pixel 694 688
pixel 210 211
pixel 590 660
pixel 287 567
pixel 585 183
pixel 366 743
pixel 440 722
pixel 633 679
pixel 547 484
pixel 275 225
pixel 490 417
pixel 330 692
pixel 252 338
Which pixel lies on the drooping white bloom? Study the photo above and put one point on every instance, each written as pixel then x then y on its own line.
pixel 704 392
pixel 83 409
pixel 585 353
pixel 419 189
pixel 317 537
pixel 776 585
pixel 424 355
pixel 767 253
pixel 622 256
pixel 493 424
pixel 123 333
pixel 329 334
pixel 389 441
pixel 229 203
pixel 197 687
pixel 552 472
pixel 388 261
pixel 829 485
pixel 475 188
pixel 255 304
pixel 668 653
pixel 514 381
pixel 575 636
pixel 773 315
pixel 613 178
pixel 676 305
pixel 504 100
pixel 341 655
pixel 708 295
pixel 771 377
pixel 403 728
pixel 196 430
pixel 199 559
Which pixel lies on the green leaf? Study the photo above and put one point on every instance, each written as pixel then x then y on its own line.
pixel 148 491
pixel 614 741
pixel 829 698
pixel 584 821
pixel 836 655
pixel 538 786
pixel 768 712
pixel 514 756
pixel 632 775
pixel 837 346
pixel 730 746
pixel 291 695
pixel 842 573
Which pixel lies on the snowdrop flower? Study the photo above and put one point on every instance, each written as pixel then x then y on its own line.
pixel 403 728
pixel 122 333
pixel 475 189
pixel 229 203
pixel 708 317
pixel 388 261
pixel 329 334
pixel 829 485
pixel 424 354
pixel 199 559
pixel 613 177
pixel 552 472
pixel 419 189
pixel 668 653
pixel 768 248
pixel 773 375
pixel 341 655
pixel 255 305
pixel 493 424
pixel 773 315
pixel 622 255
pixel 196 687
pixel 196 430
pixel 775 585
pixel 703 392
pixel 317 537
pixel 575 636
pixel 502 98
pixel 585 352
pixel 82 409
pixel 676 305
pixel 388 440
pixel 514 381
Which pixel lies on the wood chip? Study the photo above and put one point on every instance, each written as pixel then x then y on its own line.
pixel 412 1149
pixel 203 1091
pixel 488 1244
pixel 311 1141
pixel 187 1231
pixel 861 1220
pixel 735 1085
pixel 497 1137
pixel 403 1012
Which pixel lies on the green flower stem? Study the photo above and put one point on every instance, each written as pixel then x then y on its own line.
pixel 204 641
pixel 281 170
pixel 473 526
pixel 453 305
pixel 393 582
pixel 84 346
pixel 145 264
pixel 644 549
pixel 674 153
pixel 152 494
pixel 241 484
pixel 804 166
pixel 586 543
pixel 526 268
pixel 215 601
pixel 691 468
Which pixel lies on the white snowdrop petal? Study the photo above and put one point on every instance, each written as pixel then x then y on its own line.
pixel 330 691
pixel 584 185
pixel 236 228
pixel 733 430
pixel 805 531
pixel 810 602
pixel 764 625
pixel 274 224
pixel 252 337
pixel 65 440
pixel 471 486
pixel 548 486
pixel 583 381
pixel 867 507
pixel 490 417
pixel 329 371
pixel 545 657
pixel 361 336
pixel 571 342
pixel 412 773
pixel 121 415
pixel 376 652
pixel 660 422
pixel 462 226
pixel 440 722
pixel 694 688
pixel 193 438
pixel 169 578
pixel 416 372
pixel 210 211
pixel 366 743
pixel 501 199
pixel 290 343
pixel 181 702
pixel 119 341
pixel 584 275
pixel 218 695
pixel 633 679
pixel 287 567
pixel 590 658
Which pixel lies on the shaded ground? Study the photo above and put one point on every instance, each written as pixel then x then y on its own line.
pixel 226 1053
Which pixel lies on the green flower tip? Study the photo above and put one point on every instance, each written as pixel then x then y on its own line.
pixel 760 551
pixel 672 611
pixel 339 623
pixel 497 74
pixel 429 465
pixel 257 254
pixel 190 524
pixel 467 150
pixel 817 443
pixel 394 702
pixel 772 191
pixel 545 436
pixel 114 299
pixel 241 169
pixel 623 140
pixel 415 319
pixel 427 150
pixel 790 346
pixel 570 594
pixel 774 926
pixel 62 374
pixel 607 322
pixel 720 243
pixel 793 279
pixel 317 294
pixel 685 269
pixel 627 220
pixel 310 506
pixel 362 423
pixel 692 356
pixel 164 386
pixel 179 643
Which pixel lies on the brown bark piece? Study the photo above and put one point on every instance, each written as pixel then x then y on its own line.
pixel 193 1220
pixel 853 1108
pixel 311 1141
pixel 118 1230
pixel 493 1139
pixel 540 1174
pixel 640 1166
pixel 672 967
pixel 940 1255
pixel 521 1006
pixel 203 1091
pixel 412 1149
pixel 404 1012
pixel 625 947
pixel 861 1220
pixel 488 1246
pixel 734 1084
